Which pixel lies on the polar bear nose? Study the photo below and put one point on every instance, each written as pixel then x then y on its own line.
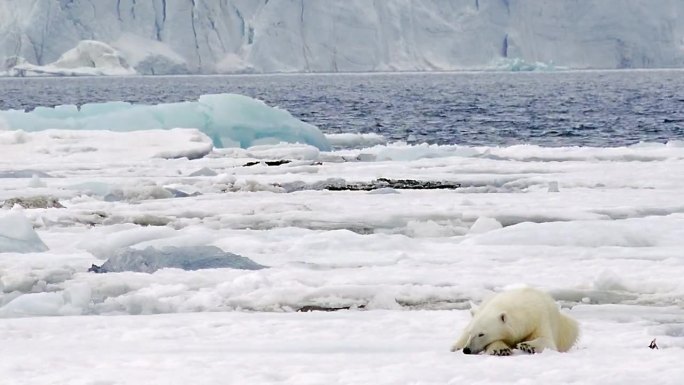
pixel 466 350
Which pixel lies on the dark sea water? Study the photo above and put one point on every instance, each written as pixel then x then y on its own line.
pixel 552 109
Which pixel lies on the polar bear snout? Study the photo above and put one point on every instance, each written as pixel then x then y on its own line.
pixel 466 350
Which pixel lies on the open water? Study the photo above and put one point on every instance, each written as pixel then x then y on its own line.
pixel 593 108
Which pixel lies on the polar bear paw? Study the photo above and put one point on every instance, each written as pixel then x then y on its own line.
pixel 498 348
pixel 501 352
pixel 527 348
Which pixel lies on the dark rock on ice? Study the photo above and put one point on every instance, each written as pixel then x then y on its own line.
pixel 310 308
pixel 152 259
pixel 337 184
pixel 277 162
pixel 267 163
pixel 402 184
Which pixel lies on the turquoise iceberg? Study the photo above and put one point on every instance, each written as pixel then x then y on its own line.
pixel 230 120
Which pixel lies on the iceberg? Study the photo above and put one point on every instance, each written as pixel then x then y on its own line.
pixel 152 259
pixel 88 58
pixel 17 234
pixel 230 120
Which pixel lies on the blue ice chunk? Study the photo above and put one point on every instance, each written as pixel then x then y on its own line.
pixel 229 119
pixel 152 259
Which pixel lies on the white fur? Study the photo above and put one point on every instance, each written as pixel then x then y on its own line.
pixel 523 318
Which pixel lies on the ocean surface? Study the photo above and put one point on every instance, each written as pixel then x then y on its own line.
pixel 591 108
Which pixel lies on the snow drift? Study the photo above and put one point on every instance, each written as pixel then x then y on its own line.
pixel 230 120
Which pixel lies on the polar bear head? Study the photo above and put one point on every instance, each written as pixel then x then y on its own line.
pixel 485 327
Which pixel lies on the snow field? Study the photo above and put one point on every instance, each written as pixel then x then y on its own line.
pixel 348 347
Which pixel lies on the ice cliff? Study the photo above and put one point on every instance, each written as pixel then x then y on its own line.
pixel 218 36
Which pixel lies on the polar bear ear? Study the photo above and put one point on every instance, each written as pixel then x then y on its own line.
pixel 473 308
pixel 503 317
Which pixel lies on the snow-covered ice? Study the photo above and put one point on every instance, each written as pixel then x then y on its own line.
pixel 608 245
pixel 78 147
pixel 350 347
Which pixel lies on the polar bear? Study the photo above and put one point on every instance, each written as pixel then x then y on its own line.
pixel 527 319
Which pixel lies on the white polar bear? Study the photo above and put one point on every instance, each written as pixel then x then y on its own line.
pixel 526 319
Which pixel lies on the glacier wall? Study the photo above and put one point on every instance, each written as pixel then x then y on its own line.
pixel 220 36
